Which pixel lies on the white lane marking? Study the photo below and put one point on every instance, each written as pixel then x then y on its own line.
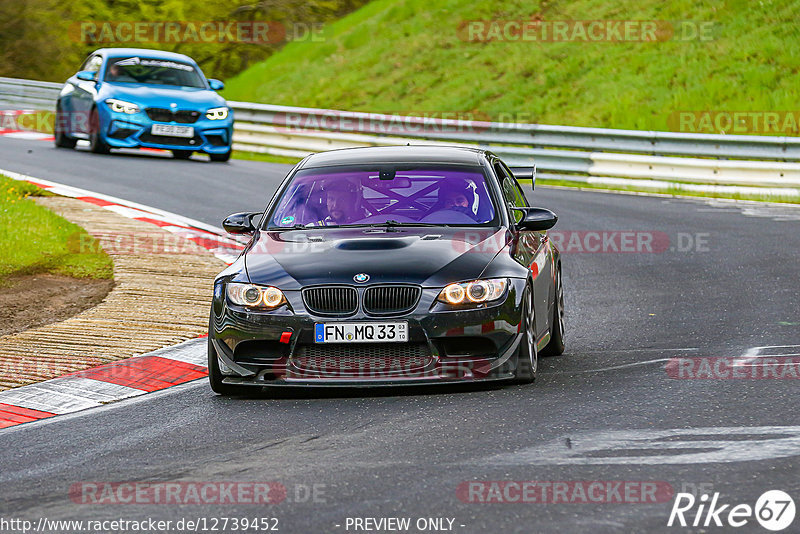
pixel 193 351
pixel 625 365
pixel 767 351
pixel 614 368
pixel 671 446
pixel 776 211
pixel 637 350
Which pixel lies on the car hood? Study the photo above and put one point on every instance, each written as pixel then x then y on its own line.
pixel 162 96
pixel 431 257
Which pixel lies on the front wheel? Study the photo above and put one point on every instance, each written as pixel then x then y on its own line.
pixel 527 354
pixel 556 344
pixel 221 158
pixel 215 375
pixel 96 142
pixel 62 140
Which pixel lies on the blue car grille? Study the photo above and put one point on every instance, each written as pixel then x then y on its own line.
pixel 170 141
pixel 182 116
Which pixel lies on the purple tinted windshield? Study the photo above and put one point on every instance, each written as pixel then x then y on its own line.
pixel 333 197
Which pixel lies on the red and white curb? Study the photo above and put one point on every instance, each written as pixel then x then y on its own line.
pixel 131 377
pixel 100 385
pixel 214 239
pixel 10 127
pixel 19 134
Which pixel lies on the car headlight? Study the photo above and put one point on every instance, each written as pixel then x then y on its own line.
pixel 217 114
pixel 255 296
pixel 474 292
pixel 120 106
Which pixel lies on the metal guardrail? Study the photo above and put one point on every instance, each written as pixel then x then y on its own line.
pixel 749 161
pixel 28 94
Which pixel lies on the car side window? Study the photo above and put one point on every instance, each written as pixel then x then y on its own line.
pixel 92 64
pixel 512 194
pixel 517 187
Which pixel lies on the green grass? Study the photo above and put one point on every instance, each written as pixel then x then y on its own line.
pixel 35 240
pixel 258 156
pixel 406 56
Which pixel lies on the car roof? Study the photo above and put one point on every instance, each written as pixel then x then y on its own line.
pixel 143 52
pixel 396 154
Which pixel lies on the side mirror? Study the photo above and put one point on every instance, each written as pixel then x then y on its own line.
pixel 87 76
pixel 536 219
pixel 240 223
pixel 216 85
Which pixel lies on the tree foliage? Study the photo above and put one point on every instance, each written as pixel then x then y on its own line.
pixel 42 39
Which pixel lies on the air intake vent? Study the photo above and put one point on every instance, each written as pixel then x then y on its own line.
pixel 361 360
pixel 390 300
pixel 167 115
pixel 331 300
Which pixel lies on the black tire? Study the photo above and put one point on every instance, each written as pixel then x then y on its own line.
pixel 527 356
pixel 556 344
pixel 221 158
pixel 62 140
pixel 181 154
pixel 96 143
pixel 215 375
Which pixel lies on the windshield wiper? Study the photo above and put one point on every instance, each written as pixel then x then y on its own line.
pixel 391 223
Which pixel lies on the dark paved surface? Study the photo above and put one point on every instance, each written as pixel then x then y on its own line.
pixel 403 453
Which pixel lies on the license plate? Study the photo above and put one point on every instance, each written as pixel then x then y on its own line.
pixel 360 332
pixel 172 130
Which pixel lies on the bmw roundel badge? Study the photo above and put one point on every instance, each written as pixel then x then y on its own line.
pixel 361 278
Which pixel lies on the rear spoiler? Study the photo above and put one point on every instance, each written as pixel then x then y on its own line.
pixel 525 173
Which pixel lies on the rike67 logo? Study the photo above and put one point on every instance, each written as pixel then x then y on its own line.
pixel 774 510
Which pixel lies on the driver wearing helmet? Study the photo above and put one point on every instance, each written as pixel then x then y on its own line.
pixel 343 200
pixel 459 195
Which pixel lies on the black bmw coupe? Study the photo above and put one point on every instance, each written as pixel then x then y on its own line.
pixel 385 266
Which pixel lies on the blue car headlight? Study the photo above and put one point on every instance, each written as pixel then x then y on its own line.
pixel 217 114
pixel 120 106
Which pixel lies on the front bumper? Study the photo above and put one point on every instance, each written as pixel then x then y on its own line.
pixel 444 346
pixel 134 131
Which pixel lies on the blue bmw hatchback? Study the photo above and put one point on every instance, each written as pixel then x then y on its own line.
pixel 129 98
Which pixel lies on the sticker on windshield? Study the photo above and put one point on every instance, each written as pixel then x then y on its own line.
pixel 288 220
pixel 154 63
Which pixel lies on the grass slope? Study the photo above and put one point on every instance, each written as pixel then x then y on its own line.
pixel 406 56
pixel 35 240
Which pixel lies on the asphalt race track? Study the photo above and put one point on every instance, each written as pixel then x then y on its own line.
pixel 722 279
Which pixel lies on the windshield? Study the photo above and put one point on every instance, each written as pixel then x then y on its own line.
pixel 396 195
pixel 153 71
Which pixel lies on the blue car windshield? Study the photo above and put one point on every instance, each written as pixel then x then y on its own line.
pixel 153 71
pixel 397 195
